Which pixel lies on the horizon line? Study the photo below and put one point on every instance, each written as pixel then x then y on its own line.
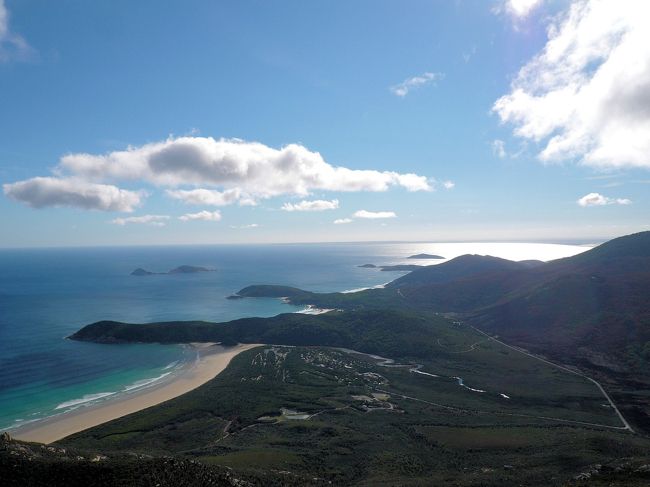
pixel 560 241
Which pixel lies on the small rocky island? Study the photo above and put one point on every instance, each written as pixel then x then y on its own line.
pixel 141 272
pixel 425 256
pixel 367 266
pixel 183 269
pixel 189 269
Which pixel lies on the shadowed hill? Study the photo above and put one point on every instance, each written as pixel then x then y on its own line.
pixel 458 268
pixel 388 332
pixel 598 299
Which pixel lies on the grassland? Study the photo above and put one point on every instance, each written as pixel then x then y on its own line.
pixel 318 415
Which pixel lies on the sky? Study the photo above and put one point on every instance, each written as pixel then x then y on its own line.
pixel 204 122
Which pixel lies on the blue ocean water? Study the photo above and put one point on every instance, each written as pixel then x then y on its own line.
pixel 47 294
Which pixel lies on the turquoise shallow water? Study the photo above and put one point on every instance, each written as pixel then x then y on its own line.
pixel 47 294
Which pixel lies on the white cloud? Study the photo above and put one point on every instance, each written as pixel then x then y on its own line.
pixel 208 216
pixel 153 220
pixel 12 46
pixel 250 225
pixel 316 205
pixel 518 9
pixel 211 197
pixel 449 185
pixel 597 199
pixel 4 20
pixel 402 89
pixel 342 221
pixel 499 148
pixel 252 168
pixel 586 95
pixel 218 173
pixel 72 192
pixel 374 214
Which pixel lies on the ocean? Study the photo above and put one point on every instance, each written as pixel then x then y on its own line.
pixel 47 294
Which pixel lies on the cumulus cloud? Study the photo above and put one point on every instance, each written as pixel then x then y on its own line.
pixel 448 185
pixel 153 220
pixel 250 167
pixel 342 221
pixel 597 199
pixel 72 192
pixel 12 46
pixel 586 95
pixel 402 89
pixel 211 172
pixel 374 214
pixel 208 216
pixel 211 197
pixel 316 205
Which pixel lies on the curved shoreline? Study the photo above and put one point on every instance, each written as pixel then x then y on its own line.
pixel 212 360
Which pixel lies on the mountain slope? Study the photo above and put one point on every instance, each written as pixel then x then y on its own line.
pixel 592 310
pixel 599 299
pixel 461 267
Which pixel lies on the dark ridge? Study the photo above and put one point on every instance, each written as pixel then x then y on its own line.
pixel 371 331
pixel 531 263
pixel 271 291
pixel 460 267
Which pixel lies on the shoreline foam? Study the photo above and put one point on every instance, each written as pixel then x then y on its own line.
pixel 359 289
pixel 212 360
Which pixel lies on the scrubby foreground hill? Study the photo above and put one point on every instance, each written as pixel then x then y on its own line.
pixel 315 416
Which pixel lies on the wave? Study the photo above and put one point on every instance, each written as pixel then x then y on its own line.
pixel 172 365
pixel 145 382
pixel 88 398
pixel 85 399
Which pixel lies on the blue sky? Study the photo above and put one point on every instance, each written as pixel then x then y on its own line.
pixel 204 122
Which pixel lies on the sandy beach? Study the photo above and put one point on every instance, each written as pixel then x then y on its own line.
pixel 213 359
